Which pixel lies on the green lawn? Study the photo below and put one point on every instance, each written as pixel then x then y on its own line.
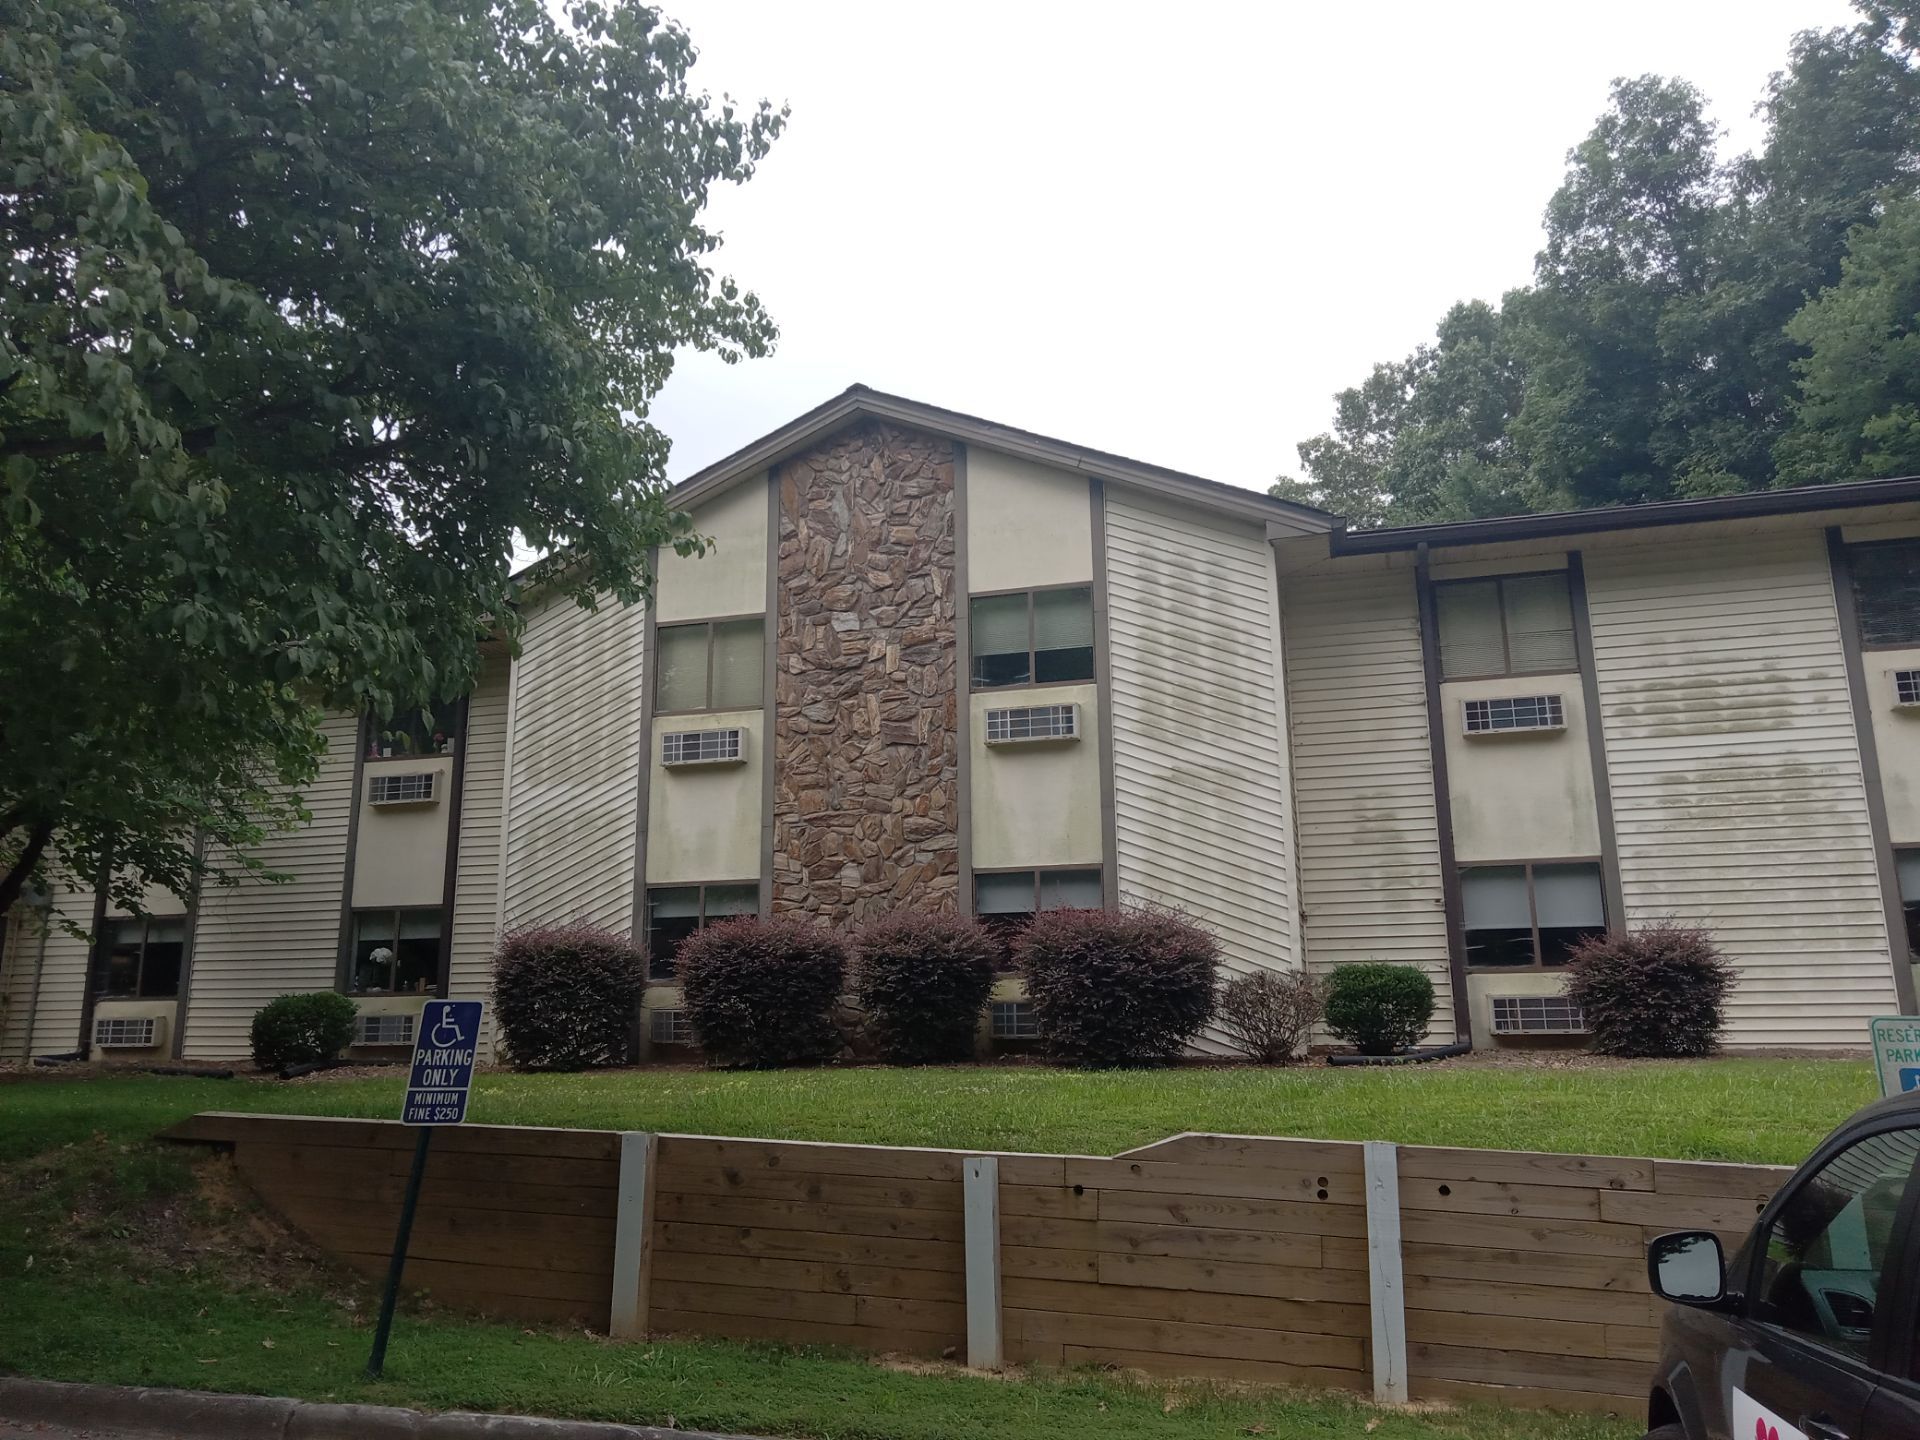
pixel 117 1268
pixel 1756 1110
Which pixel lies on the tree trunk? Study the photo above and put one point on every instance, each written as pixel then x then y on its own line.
pixel 15 879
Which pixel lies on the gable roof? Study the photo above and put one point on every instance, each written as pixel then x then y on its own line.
pixel 858 402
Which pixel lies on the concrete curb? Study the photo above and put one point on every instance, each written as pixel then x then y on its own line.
pixel 200 1415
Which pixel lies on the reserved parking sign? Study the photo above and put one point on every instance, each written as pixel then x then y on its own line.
pixel 1896 1053
pixel 444 1050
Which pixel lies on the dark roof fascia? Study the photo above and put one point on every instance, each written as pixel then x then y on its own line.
pixel 1803 499
pixel 859 401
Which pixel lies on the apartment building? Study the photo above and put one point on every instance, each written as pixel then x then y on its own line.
pixel 934 661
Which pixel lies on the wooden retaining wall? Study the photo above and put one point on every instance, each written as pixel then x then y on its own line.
pixel 1407 1271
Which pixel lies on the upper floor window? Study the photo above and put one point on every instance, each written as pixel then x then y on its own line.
pixel 395 952
pixel 422 730
pixel 1031 637
pixel 1505 625
pixel 676 911
pixel 1886 591
pixel 709 665
pixel 1531 914
pixel 142 959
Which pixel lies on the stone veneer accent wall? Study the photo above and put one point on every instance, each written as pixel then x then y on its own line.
pixel 866 797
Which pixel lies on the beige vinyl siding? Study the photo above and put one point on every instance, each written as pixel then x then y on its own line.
pixel 573 791
pixel 55 1019
pixel 476 894
pixel 1738 801
pixel 254 940
pixel 1199 750
pixel 1370 883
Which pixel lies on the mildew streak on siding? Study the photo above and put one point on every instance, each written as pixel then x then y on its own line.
pixel 1370 882
pixel 1199 752
pixel 1738 798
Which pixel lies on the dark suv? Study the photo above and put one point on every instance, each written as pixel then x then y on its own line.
pixel 1811 1329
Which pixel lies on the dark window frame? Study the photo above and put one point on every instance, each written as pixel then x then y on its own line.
pixel 109 942
pixel 373 730
pixel 1538 964
pixel 394 912
pixel 1565 576
pixel 709 625
pixel 655 962
pixel 1854 551
pixel 1910 908
pixel 974 687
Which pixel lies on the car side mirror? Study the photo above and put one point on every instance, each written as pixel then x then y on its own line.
pixel 1688 1268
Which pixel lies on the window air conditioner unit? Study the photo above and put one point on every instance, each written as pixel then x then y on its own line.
pixel 1513 715
pixel 679 748
pixel 127 1033
pixel 383 1030
pixel 1537 1015
pixel 1026 724
pixel 670 1027
pixel 1012 1020
pixel 1906 689
pixel 416 787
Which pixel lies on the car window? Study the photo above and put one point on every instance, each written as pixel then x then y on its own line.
pixel 1822 1256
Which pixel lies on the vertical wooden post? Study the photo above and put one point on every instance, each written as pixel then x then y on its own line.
pixel 632 1237
pixel 980 1194
pixel 1387 1293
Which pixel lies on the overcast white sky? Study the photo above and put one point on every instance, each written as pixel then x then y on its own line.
pixel 1167 231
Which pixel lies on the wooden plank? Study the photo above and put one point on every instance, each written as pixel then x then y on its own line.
pixel 1035 1353
pixel 945 1286
pixel 1222 1213
pixel 877 1191
pixel 760 1327
pixel 1207 1367
pixel 1317 1184
pixel 1545 1302
pixel 1166 1337
pixel 505 1281
pixel 707 1152
pixel 271 1176
pixel 1698 1177
pixel 1509 1367
pixel 1478 1197
pixel 802 1215
pixel 1631 1407
pixel 749 1270
pixel 787 1305
pixel 1508 1232
pixel 1681 1212
pixel 1046 1171
pixel 224 1127
pixel 1575 1272
pixel 1228 1278
pixel 519 1227
pixel 1042 1263
pixel 981 1314
pixel 1060 1202
pixel 1522 1167
pixel 913 1254
pixel 1333 1157
pixel 332 1229
pixel 932 1317
pixel 632 1237
pixel 1386 1290
pixel 1506 1332
pixel 1251 1246
pixel 1190 1307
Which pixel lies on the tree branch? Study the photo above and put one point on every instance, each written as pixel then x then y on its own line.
pixel 15 880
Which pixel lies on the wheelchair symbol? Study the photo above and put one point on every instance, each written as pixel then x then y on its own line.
pixel 446 1030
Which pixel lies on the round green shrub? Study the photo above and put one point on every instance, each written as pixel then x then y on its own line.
pixel 566 997
pixel 302 1029
pixel 1380 1009
pixel 1127 987
pixel 1658 992
pixel 761 993
pixel 923 980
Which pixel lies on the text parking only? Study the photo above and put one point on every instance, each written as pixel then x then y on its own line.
pixel 444 1051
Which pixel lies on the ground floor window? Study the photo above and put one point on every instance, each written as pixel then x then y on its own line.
pixel 1005 900
pixel 142 959
pixel 396 952
pixel 675 911
pixel 1531 914
pixel 1907 863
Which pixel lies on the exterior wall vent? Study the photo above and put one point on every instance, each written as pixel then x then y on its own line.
pixel 703 747
pixel 383 1030
pixel 1537 1015
pixel 669 1027
pixel 126 1033
pixel 1906 688
pixel 414 787
pixel 1513 715
pixel 1013 1020
pixel 1025 724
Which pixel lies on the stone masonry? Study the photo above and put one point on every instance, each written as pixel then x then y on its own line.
pixel 866 761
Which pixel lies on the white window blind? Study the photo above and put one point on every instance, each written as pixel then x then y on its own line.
pixel 1495 898
pixel 1567 897
pixel 998 625
pixel 1539 622
pixel 726 900
pixel 739 663
pixel 1003 894
pixel 681 654
pixel 1070 890
pixel 1907 862
pixel 1470 640
pixel 1062 620
pixel 678 903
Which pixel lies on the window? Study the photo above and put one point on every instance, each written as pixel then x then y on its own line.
pixel 711 665
pixel 1907 865
pixel 1505 625
pixel 1514 713
pixel 432 731
pixel 1886 591
pixel 669 1027
pixel 395 952
pixel 142 959
pixel 1032 637
pixel 1004 900
pixel 1532 914
pixel 1906 687
pixel 1821 1258
pixel 1012 1020
pixel 675 911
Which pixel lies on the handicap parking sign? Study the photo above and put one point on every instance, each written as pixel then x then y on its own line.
pixel 445 1047
pixel 1910 1077
pixel 1896 1052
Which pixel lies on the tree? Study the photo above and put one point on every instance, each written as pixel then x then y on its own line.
pixel 309 309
